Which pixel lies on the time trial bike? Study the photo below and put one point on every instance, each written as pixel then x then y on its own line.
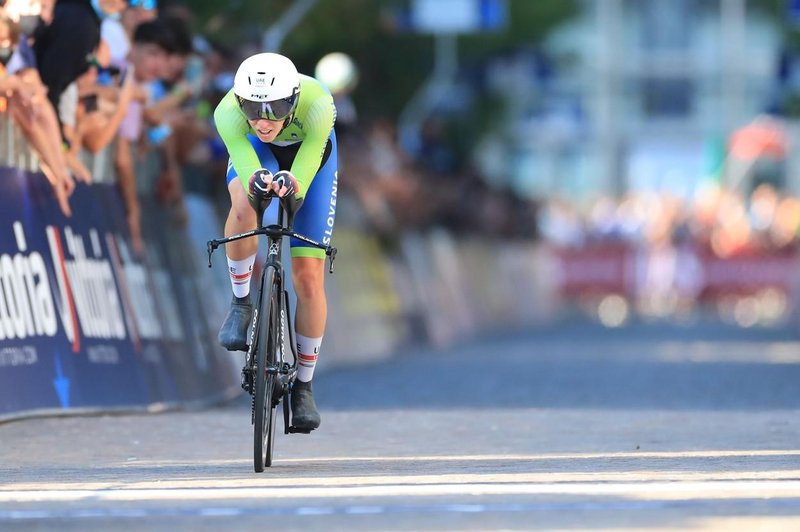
pixel 268 374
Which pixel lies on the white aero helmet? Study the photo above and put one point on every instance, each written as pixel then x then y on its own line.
pixel 267 86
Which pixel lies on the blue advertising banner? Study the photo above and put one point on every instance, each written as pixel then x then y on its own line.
pixel 793 10
pixel 84 323
pixel 458 16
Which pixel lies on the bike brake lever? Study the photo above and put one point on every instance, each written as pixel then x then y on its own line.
pixel 211 246
pixel 331 252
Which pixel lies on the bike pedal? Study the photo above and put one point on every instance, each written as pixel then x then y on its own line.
pixel 242 348
pixel 298 430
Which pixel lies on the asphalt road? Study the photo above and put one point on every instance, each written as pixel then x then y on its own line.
pixel 575 427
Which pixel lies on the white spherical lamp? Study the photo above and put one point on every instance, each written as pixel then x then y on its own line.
pixel 337 71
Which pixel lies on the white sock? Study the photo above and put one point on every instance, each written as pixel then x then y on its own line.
pixel 240 272
pixel 307 353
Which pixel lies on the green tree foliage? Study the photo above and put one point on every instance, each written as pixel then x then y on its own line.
pixel 393 62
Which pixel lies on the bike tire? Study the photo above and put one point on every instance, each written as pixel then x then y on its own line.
pixel 265 356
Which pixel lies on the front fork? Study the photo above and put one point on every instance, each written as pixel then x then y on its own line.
pixel 286 371
pixel 249 370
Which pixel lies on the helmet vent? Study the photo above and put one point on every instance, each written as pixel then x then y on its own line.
pixel 265 77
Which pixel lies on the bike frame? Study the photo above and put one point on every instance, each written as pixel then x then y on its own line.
pixel 275 233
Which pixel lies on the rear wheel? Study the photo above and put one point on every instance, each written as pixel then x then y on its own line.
pixel 265 355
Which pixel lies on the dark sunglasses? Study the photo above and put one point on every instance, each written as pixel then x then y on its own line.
pixel 275 110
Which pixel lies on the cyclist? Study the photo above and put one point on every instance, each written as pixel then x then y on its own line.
pixel 273 122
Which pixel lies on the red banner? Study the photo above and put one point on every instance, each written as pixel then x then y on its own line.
pixel 623 269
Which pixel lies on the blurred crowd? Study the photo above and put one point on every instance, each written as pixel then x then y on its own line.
pixel 722 221
pixel 663 256
pixel 117 76
pixel 436 186
pixel 130 78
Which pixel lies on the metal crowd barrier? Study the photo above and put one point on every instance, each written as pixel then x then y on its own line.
pixel 86 325
pixel 14 149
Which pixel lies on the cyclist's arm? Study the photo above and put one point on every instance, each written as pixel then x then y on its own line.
pixel 318 123
pixel 233 128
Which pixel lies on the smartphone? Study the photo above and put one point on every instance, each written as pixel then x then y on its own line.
pixel 106 75
pixel 123 73
pixel 89 103
pixel 194 73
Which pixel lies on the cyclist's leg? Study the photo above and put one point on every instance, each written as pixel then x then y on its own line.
pixel 241 217
pixel 315 220
pixel 241 254
pixel 310 317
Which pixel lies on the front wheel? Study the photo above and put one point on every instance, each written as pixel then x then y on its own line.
pixel 265 358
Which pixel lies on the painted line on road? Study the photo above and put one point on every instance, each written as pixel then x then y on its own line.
pixel 285 480
pixel 720 489
pixel 756 453
pixel 730 352
pixel 561 456
pixel 754 506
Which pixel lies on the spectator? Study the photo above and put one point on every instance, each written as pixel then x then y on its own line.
pixel 118 31
pixel 163 113
pixel 23 62
pixel 32 112
pixel 147 58
pixel 102 105
pixel 62 47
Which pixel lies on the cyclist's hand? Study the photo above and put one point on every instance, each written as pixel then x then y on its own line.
pixel 259 189
pixel 288 192
pixel 260 183
pixel 284 184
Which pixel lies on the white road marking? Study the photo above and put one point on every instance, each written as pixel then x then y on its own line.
pixel 563 456
pixel 755 505
pixel 734 352
pixel 218 512
pixel 671 490
pixel 506 457
pixel 283 484
pixel 638 489
pixel 362 510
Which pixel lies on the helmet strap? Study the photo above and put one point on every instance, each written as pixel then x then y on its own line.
pixel 287 122
pixel 290 118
